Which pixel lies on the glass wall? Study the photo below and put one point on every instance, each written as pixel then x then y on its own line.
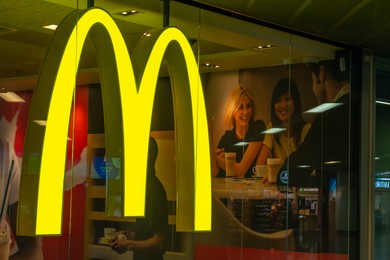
pixel 290 192
pixel 381 182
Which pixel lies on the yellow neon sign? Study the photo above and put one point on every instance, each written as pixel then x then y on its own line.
pixel 126 91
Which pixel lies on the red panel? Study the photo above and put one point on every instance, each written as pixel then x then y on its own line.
pixel 13 125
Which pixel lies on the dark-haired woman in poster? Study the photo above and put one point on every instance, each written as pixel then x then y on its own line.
pixel 286 113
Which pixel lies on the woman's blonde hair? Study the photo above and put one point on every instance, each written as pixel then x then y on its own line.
pixel 233 104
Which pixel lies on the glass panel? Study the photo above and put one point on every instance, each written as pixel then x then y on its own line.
pixel 382 177
pixel 323 170
pixel 328 174
pixel 254 213
pixel 24 45
pixel 249 210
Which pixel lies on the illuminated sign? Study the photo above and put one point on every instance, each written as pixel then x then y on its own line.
pixel 128 93
pixel 382 184
pixel 308 189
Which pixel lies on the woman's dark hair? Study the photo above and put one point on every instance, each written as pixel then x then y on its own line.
pixel 281 88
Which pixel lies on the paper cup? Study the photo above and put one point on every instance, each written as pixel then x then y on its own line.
pixel 230 159
pixel 273 168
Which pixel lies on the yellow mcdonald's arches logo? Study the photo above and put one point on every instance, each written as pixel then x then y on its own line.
pixel 128 93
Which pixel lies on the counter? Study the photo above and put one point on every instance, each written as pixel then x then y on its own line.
pixel 260 207
pixel 245 188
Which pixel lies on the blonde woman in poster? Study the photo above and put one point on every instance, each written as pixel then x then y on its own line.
pixel 286 112
pixel 243 136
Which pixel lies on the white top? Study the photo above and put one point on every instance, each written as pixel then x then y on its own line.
pixel 287 144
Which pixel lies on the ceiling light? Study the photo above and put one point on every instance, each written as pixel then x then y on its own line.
pixel 50 26
pixel 304 166
pixel 322 108
pixel 209 65
pixel 273 130
pixel 11 97
pixel 383 102
pixel 264 47
pixel 130 12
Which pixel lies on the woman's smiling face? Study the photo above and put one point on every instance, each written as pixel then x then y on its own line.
pixel 243 114
pixel 284 107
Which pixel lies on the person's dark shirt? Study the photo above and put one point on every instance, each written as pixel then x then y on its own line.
pixel 156 217
pixel 229 140
pixel 325 148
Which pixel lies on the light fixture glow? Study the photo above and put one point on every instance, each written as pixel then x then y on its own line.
pixel 382 179
pixel 52 27
pixel 383 102
pixel 332 162
pixel 241 144
pixel 40 122
pixel 322 108
pixel 274 130
pixel 130 12
pixel 12 97
pixel 264 47
pixel 210 65
pixel 304 166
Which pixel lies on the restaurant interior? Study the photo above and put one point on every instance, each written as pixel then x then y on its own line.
pixel 251 219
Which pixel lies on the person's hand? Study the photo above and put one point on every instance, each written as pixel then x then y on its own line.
pixel 120 246
pixel 4 233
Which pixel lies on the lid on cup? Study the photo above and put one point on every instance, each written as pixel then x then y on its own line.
pixel 274 161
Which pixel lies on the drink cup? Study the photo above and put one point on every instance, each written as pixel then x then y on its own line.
pixel 273 168
pixel 230 159
pixel 259 170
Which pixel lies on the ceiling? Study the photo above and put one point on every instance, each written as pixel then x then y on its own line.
pixel 361 23
pixel 220 40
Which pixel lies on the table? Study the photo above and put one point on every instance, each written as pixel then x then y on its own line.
pixel 245 188
pixel 256 205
